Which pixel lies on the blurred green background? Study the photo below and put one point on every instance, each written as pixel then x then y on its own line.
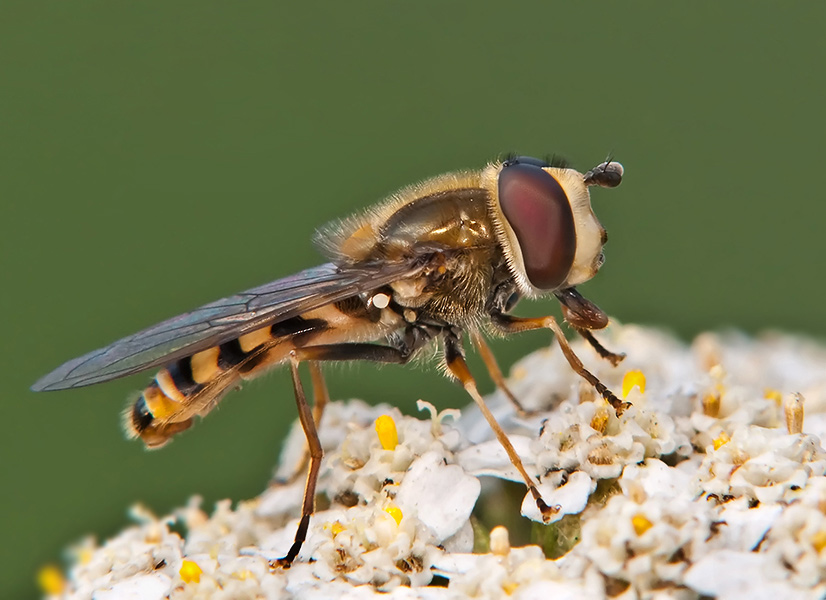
pixel 158 155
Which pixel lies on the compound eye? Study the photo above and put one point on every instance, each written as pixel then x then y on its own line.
pixel 525 160
pixel 538 211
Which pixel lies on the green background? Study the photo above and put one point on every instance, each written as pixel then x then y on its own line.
pixel 158 155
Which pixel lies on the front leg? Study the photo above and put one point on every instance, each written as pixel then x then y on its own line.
pixel 583 315
pixel 510 324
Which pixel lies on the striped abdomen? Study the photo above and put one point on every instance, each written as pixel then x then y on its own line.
pixel 193 385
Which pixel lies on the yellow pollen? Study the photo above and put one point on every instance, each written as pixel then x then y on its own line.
pixel 336 528
pixel 243 575
pixel 721 440
pixel 633 379
pixel 772 394
pixel 819 540
pixel 190 572
pixel 509 587
pixel 395 512
pixel 640 523
pixel 388 436
pixel 711 405
pixel 50 579
pixel 599 422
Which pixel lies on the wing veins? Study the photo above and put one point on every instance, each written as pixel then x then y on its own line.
pixel 227 319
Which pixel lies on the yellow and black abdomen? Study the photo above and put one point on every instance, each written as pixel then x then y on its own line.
pixel 193 385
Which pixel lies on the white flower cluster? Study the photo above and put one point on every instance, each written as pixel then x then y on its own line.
pixel 699 489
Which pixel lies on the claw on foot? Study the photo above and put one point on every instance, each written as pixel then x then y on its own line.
pixel 615 358
pixel 547 511
pixel 281 563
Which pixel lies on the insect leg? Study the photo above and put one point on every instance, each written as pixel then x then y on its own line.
pixel 350 351
pixel 583 315
pixel 454 357
pixel 495 372
pixel 612 357
pixel 321 397
pixel 510 324
pixel 305 416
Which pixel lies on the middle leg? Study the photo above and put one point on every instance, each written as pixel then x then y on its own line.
pixel 454 357
pixel 495 372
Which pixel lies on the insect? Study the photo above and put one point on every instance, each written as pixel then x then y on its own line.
pixel 445 258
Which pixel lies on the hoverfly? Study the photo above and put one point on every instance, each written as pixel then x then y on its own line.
pixel 445 257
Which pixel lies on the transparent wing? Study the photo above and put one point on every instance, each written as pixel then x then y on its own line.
pixel 222 321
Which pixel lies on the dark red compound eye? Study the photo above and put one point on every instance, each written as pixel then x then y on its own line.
pixel 538 211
